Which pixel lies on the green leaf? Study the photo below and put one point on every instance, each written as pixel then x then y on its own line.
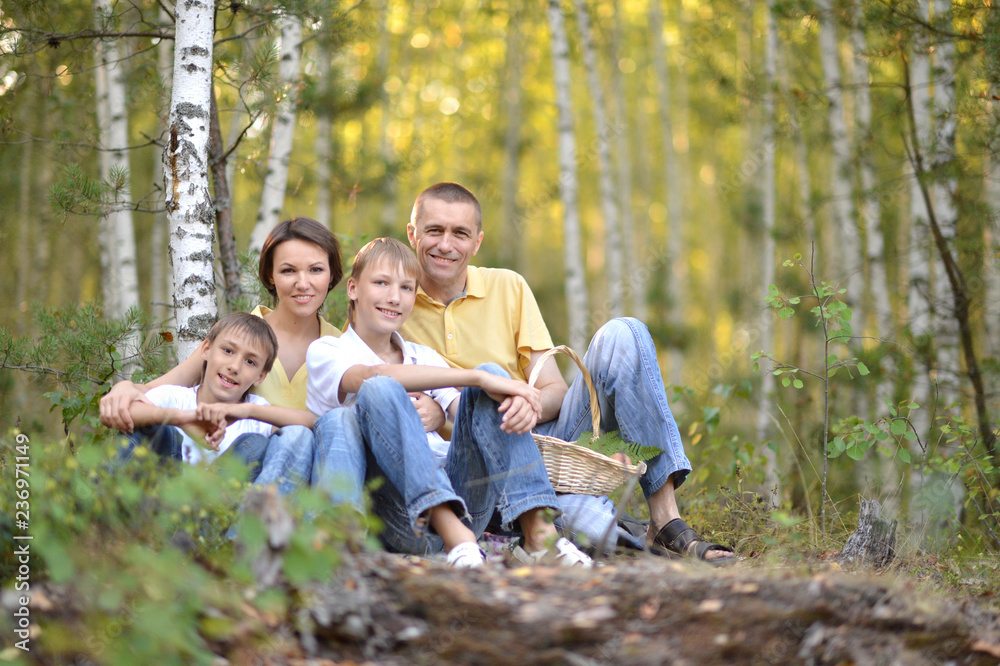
pixel 898 428
pixel 797 383
pixel 904 455
pixel 831 359
pixel 794 300
pixel 786 312
pixel 855 453
pixel 910 436
pixel 913 405
pixel 862 369
pixel 785 381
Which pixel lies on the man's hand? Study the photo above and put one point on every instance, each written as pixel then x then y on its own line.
pixel 115 405
pixel 520 404
pixel 431 414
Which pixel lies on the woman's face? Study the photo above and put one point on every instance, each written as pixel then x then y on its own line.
pixel 301 277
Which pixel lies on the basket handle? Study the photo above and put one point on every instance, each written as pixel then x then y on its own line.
pixel 595 406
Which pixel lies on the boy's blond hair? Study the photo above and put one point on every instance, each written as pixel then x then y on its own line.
pixel 391 250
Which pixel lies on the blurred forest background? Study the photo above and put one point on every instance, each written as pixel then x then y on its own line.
pixel 678 152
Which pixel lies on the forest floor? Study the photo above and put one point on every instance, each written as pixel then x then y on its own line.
pixel 640 609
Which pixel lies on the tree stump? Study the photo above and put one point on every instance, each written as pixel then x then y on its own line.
pixel 873 543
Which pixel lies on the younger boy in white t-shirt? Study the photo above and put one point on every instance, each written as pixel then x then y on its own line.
pixel 199 424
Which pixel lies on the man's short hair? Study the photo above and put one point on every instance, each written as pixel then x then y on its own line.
pixel 449 193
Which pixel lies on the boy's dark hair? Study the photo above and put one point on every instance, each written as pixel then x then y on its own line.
pixel 252 326
pixel 391 250
pixel 305 229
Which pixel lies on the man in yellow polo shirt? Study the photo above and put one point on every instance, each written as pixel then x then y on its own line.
pixel 474 315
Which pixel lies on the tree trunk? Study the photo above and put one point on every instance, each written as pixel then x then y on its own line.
pixel 635 283
pixel 991 254
pixel 576 283
pixel 772 482
pixel 189 203
pixel 676 250
pixel 123 272
pixel 840 187
pixel 223 211
pixel 873 543
pixel 282 133
pixel 158 234
pixel 920 315
pixel 512 252
pixel 613 251
pixel 324 147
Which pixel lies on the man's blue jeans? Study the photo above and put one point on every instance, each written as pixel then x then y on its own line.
pixel 383 435
pixel 622 362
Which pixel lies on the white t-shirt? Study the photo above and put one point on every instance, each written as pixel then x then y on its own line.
pixel 328 358
pixel 185 397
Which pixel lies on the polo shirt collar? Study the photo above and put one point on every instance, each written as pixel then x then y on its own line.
pixel 475 287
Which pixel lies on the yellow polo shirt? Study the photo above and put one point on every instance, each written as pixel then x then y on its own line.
pixel 277 388
pixel 497 320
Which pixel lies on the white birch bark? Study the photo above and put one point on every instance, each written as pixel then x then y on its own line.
pixel 772 483
pixel 282 133
pixel 991 254
pixel 324 150
pixel 613 251
pixel 159 232
pixel 850 258
pixel 188 202
pixel 940 156
pixel 115 142
pixel 105 228
pixel 576 283
pixel 920 315
pixel 635 280
pixel 672 188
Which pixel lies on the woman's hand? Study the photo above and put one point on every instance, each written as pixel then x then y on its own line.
pixel 431 414
pixel 115 405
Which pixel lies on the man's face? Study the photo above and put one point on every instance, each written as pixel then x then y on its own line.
pixel 445 238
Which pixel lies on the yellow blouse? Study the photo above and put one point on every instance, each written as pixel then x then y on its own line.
pixel 276 388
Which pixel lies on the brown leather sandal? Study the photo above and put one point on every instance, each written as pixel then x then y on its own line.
pixel 678 538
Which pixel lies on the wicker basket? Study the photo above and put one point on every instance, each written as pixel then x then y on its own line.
pixel 573 468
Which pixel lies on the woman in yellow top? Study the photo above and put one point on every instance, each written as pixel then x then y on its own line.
pixel 299 266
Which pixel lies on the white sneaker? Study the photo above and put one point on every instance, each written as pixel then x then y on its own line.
pixel 563 553
pixel 466 556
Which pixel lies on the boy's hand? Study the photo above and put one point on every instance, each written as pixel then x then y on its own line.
pixel 206 433
pixel 114 406
pixel 431 414
pixel 216 416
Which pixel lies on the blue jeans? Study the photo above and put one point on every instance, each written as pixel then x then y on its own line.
pixel 289 458
pixel 382 435
pixel 167 441
pixel 622 362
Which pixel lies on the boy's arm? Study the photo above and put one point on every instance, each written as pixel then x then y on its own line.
pixel 115 407
pixel 224 413
pixel 148 414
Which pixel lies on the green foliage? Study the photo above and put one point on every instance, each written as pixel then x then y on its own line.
pixel 611 443
pixel 140 556
pixel 79 194
pixel 79 354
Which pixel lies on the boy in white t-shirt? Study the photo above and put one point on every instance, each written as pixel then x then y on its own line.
pixel 199 424
pixel 491 460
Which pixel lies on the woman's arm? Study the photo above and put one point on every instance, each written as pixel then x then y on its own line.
pixel 115 406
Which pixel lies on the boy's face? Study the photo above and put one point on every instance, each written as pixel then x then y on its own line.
pixel 233 364
pixel 383 298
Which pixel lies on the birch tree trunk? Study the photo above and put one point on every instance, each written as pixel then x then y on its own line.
pixel 920 315
pixel 991 254
pixel 158 234
pixel 672 188
pixel 613 251
pixel 189 203
pixel 324 149
pixel 576 283
pixel 282 133
pixel 635 281
pixel 840 184
pixel 772 483
pixel 391 222
pixel 512 252
pixel 941 154
pixel 114 140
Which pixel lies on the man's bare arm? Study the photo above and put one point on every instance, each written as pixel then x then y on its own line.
pixel 551 385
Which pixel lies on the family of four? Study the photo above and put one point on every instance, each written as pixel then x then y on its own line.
pixel 288 392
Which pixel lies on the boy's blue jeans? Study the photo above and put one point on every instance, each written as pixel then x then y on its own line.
pixel 382 435
pixel 167 441
pixel 622 362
